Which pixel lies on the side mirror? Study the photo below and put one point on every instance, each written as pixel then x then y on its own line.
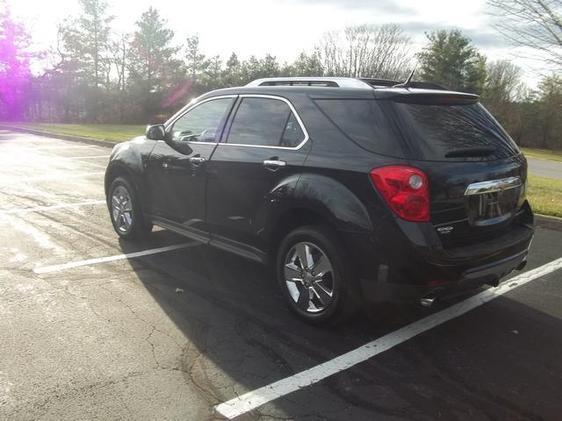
pixel 156 132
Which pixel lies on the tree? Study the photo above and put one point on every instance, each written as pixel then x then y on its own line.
pixel 541 115
pixel 212 76
pixel 305 65
pixel 450 59
pixel 120 54
pixel 152 63
pixel 550 99
pixel 255 68
pixel 86 40
pixel 231 75
pixel 503 82
pixel 502 89
pixel 366 51
pixel 120 60
pixel 536 24
pixel 195 59
pixel 86 44
pixel 14 66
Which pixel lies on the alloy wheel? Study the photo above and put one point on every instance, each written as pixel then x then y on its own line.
pixel 122 209
pixel 309 277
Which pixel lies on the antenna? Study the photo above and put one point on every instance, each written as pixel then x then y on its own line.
pixel 406 84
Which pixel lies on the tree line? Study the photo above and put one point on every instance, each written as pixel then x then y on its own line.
pixel 95 75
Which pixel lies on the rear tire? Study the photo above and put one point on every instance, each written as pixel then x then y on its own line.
pixel 125 210
pixel 313 276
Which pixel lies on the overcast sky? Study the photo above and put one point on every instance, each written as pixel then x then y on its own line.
pixel 284 27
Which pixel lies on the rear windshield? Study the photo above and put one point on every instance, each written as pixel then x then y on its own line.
pixel 424 131
pixel 364 122
pixel 453 132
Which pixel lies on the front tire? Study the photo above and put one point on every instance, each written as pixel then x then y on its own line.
pixel 125 210
pixel 312 275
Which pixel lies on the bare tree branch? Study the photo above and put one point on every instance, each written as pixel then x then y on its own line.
pixel 367 51
pixel 536 24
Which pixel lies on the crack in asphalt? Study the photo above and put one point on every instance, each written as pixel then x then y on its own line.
pixel 42 405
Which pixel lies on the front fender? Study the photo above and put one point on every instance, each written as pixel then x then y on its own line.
pixel 128 159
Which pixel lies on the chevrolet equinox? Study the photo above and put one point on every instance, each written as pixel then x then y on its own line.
pixel 355 190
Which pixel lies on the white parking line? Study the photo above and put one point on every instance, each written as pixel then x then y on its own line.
pixel 51 207
pixel 98 260
pixel 251 400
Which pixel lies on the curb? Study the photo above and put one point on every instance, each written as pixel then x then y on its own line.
pixel 551 222
pixel 105 143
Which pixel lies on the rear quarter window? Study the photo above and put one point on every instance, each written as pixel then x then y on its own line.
pixel 365 123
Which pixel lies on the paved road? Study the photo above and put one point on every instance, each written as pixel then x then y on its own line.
pixel 171 335
pixel 544 168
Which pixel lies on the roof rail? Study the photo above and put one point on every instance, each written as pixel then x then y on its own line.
pixel 336 82
pixel 340 82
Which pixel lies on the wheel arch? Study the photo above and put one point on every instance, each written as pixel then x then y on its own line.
pixel 117 168
pixel 114 170
pixel 317 200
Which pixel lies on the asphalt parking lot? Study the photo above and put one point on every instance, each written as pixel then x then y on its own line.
pixel 92 327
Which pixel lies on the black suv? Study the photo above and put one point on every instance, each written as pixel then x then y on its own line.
pixel 356 190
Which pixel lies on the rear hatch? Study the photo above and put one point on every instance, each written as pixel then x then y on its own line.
pixel 477 175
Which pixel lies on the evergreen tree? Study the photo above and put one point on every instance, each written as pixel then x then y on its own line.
pixel 195 59
pixel 86 40
pixel 231 75
pixel 452 61
pixel 152 64
pixel 86 46
pixel 305 65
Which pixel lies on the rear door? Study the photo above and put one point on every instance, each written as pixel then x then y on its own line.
pixel 265 142
pixel 477 175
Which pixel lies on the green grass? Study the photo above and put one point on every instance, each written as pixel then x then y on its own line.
pixel 108 132
pixel 543 154
pixel 545 195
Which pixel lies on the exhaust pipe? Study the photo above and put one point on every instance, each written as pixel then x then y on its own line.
pixel 427 301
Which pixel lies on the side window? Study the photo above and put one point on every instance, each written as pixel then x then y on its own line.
pixel 364 122
pixel 202 123
pixel 265 122
pixel 293 135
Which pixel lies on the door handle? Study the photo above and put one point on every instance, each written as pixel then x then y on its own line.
pixel 273 164
pixel 196 160
pixel 165 165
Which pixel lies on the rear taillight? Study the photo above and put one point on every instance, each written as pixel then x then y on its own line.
pixel 405 190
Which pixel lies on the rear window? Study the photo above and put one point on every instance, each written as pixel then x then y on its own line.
pixel 364 122
pixel 453 132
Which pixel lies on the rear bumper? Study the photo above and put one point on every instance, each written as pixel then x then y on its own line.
pixel 406 261
pixel 491 274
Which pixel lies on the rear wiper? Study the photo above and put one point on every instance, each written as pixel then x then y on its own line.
pixel 470 152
